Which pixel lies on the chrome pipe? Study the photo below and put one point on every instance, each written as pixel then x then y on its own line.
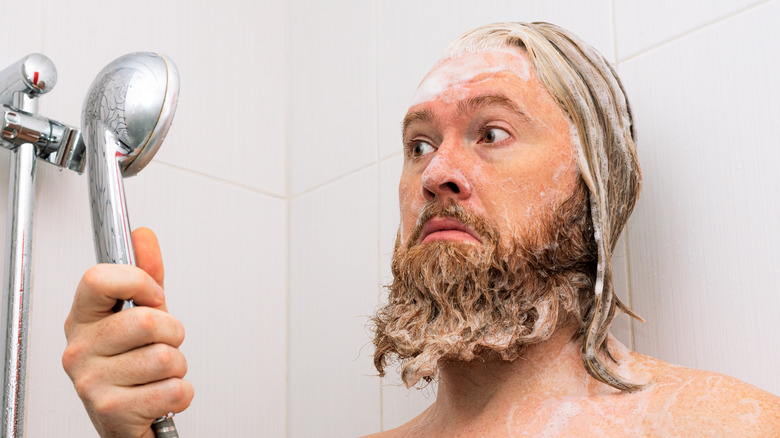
pixel 16 284
pixel 125 118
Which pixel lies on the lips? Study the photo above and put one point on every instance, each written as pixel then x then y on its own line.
pixel 448 229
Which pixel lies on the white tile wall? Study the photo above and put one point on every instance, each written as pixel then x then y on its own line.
pixel 332 90
pixel 231 119
pixel 640 25
pixel 704 240
pixel 333 292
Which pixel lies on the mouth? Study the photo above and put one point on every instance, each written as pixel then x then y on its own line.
pixel 448 228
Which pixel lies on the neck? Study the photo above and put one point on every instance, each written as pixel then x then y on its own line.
pixel 468 391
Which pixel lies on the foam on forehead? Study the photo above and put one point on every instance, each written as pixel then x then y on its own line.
pixel 453 74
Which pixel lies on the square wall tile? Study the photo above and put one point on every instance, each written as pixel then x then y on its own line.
pixel 640 25
pixel 333 390
pixel 21 38
pixel 703 242
pixel 232 60
pixel 411 36
pixel 332 90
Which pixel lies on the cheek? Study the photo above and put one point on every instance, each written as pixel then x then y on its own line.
pixel 522 194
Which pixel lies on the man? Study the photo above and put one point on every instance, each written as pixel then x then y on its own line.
pixel 519 174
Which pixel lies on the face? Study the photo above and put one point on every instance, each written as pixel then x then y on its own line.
pixel 483 132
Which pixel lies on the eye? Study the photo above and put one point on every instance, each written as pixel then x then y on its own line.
pixel 420 148
pixel 494 135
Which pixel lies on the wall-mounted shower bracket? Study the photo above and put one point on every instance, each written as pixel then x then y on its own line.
pixel 55 142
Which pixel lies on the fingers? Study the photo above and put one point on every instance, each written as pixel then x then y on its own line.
pixel 133 409
pixel 128 330
pixel 102 285
pixel 148 364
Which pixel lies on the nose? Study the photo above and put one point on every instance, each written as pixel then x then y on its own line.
pixel 444 177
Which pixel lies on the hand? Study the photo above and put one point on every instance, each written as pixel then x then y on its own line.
pixel 126 366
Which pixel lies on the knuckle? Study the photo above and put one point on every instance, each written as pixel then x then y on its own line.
pixel 106 405
pixel 72 356
pixel 146 321
pixel 85 386
pixel 179 331
pixel 163 356
pixel 181 395
pixel 93 277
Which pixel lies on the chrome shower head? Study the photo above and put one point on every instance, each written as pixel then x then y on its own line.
pixel 126 115
pixel 135 96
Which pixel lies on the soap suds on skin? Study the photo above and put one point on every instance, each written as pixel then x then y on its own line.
pixel 453 74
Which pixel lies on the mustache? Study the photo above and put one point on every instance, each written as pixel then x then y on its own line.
pixel 484 227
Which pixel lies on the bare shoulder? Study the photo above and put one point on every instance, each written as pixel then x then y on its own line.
pixel 703 403
pixel 408 430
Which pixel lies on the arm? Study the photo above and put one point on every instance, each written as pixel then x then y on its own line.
pixel 126 366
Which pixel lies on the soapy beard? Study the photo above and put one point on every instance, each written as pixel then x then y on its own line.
pixel 459 301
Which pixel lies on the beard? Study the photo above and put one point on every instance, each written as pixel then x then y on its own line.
pixel 459 301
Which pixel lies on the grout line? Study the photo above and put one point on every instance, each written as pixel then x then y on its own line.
pixel 221 180
pixel 333 180
pixel 614 32
pixel 630 294
pixel 390 157
pixel 342 176
pixel 692 31
pixel 288 222
pixel 378 195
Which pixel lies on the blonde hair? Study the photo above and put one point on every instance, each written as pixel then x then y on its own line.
pixel 588 89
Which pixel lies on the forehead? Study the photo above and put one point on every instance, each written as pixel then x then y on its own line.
pixel 495 78
pixel 453 74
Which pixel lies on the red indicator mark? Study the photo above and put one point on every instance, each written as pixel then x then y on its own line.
pixel 35 78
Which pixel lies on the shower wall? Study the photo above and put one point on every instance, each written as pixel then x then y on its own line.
pixel 275 194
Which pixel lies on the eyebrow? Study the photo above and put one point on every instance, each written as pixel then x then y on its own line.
pixel 420 116
pixel 475 103
pixel 465 107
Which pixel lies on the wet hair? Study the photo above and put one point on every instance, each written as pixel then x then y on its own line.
pixel 587 88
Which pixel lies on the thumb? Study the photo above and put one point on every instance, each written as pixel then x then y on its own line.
pixel 147 254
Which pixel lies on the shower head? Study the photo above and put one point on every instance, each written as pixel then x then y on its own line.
pixel 126 115
pixel 134 96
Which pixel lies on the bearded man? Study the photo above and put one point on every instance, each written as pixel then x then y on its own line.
pixel 520 172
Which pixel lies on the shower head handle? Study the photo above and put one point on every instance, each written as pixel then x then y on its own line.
pixel 125 118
